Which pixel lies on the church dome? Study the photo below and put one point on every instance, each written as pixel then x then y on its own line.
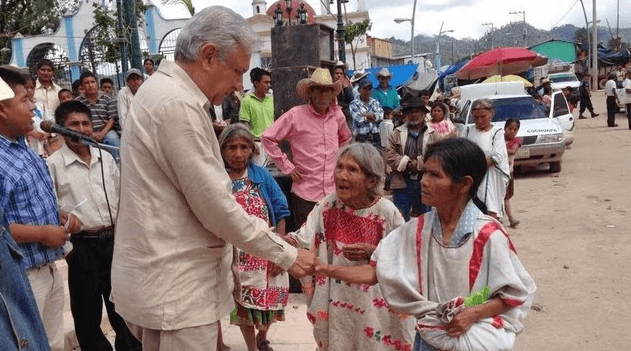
pixel 295 5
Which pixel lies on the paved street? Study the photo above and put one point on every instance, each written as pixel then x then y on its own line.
pixel 573 238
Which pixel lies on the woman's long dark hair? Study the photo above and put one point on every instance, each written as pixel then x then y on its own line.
pixel 460 158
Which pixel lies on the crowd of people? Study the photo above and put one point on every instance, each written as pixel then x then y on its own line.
pixel 189 222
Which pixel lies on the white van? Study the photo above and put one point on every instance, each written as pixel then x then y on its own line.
pixel 544 131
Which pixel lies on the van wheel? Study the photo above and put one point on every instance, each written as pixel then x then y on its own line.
pixel 555 167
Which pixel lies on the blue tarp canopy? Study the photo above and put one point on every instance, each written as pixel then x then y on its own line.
pixel 609 57
pixel 452 69
pixel 402 74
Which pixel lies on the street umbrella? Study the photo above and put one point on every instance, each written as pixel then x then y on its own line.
pixel 508 78
pixel 500 61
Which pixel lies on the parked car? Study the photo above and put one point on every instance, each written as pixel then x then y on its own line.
pixel 559 81
pixel 545 131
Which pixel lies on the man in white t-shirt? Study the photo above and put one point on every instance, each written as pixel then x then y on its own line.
pixel 612 97
pixel 626 85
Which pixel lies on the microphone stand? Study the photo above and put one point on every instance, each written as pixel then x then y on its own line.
pixel 97 144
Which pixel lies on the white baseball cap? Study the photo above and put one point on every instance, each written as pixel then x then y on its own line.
pixel 6 92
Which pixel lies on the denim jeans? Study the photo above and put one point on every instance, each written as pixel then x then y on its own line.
pixel 21 326
pixel 112 139
pixel 408 199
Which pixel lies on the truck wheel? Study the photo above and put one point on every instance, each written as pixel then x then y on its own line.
pixel 555 167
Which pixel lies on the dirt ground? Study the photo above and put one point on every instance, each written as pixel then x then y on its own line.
pixel 574 239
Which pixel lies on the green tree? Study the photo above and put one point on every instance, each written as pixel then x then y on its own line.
pixel 580 36
pixel 187 3
pixel 28 17
pixel 353 33
pixel 104 39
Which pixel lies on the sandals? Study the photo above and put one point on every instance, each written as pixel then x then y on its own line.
pixel 264 346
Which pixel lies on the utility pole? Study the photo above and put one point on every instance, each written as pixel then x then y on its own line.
pixel 340 33
pixel 490 24
pixel 122 39
pixel 132 25
pixel 523 13
pixel 594 48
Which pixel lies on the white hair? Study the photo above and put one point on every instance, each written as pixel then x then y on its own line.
pixel 370 162
pixel 218 25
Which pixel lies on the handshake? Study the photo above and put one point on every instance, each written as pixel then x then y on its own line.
pixel 305 264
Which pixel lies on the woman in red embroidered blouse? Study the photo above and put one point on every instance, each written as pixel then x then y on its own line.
pixel 261 288
pixel 344 228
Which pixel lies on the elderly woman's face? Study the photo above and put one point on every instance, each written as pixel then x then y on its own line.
pixel 437 187
pixel 482 118
pixel 351 184
pixel 237 153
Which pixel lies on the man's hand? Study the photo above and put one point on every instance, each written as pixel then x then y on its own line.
pixel 98 136
pixel 305 264
pixel 296 175
pixel 369 116
pixel 54 236
pixel 358 251
pixel 412 165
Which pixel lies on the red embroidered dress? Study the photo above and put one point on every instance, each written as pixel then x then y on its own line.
pixel 351 316
pixel 255 289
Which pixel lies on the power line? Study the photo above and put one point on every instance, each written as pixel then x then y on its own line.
pixel 568 11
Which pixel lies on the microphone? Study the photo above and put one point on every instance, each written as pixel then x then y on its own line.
pixel 51 127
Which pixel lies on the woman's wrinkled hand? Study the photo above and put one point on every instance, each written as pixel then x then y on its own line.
pixel 358 251
pixel 461 322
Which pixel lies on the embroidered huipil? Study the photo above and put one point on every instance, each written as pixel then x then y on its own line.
pixel 314 138
pixel 255 288
pixel 351 316
pixel 417 271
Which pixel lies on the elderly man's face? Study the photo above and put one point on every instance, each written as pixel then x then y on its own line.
pixel 224 78
pixel 384 81
pixel 321 98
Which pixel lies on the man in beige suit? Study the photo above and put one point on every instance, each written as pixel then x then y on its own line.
pixel 171 277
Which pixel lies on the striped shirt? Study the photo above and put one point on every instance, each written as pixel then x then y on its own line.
pixel 26 196
pixel 103 109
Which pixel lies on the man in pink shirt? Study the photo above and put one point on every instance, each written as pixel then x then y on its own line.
pixel 316 131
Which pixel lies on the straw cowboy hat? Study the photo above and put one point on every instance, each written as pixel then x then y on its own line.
pixel 384 73
pixel 358 75
pixel 321 77
pixel 456 93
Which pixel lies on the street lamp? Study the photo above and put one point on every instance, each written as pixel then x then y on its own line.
pixel 440 32
pixel 302 14
pixel 278 16
pixel 401 20
pixel 288 8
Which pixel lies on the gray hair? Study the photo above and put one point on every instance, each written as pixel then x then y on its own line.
pixel 483 103
pixel 218 25
pixel 370 162
pixel 237 130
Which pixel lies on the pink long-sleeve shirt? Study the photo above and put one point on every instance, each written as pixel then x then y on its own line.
pixel 314 139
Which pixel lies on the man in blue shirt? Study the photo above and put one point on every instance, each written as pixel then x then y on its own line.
pixel 385 93
pixel 30 207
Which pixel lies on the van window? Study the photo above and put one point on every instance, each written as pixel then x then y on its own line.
pixel 560 106
pixel 518 107
pixel 462 116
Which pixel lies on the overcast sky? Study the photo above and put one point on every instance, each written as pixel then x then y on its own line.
pixel 464 17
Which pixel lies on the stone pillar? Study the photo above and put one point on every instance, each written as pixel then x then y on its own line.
pixel 17 56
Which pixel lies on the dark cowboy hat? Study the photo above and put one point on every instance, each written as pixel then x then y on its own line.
pixel 414 102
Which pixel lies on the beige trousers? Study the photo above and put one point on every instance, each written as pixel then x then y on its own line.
pixel 202 338
pixel 48 289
